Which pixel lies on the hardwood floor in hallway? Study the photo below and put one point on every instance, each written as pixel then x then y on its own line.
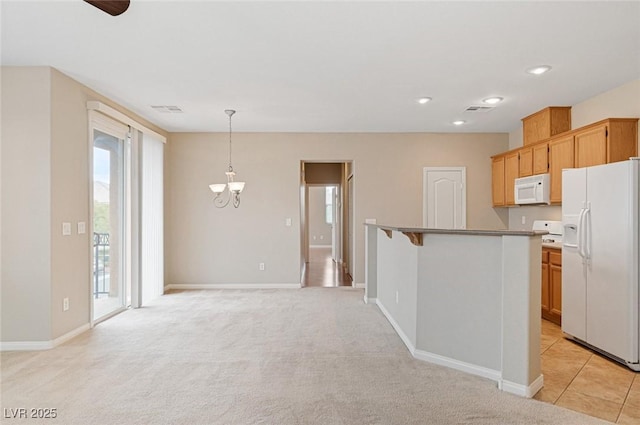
pixel 323 271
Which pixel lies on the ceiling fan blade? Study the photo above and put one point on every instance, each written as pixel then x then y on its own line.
pixel 112 7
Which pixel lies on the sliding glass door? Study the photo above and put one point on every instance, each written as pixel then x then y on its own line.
pixel 109 283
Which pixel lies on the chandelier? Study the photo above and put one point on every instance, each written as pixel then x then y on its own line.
pixel 234 188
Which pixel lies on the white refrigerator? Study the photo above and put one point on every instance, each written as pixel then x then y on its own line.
pixel 600 284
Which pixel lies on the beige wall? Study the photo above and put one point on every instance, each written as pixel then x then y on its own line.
pixel 209 245
pixel 45 182
pixel 323 173
pixel 26 206
pixel 621 102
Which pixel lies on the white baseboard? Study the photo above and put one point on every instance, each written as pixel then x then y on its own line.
pixel 320 246
pixel 42 345
pixel 397 328
pixel 25 345
pixel 522 390
pixel 69 335
pixel 458 365
pixel 435 358
pixel 358 285
pixel 233 286
pixel 369 300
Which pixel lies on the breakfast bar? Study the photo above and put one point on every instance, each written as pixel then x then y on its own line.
pixel 465 299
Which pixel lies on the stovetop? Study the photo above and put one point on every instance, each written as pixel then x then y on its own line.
pixel 554 238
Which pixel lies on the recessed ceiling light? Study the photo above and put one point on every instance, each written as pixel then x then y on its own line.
pixel 493 100
pixel 459 122
pixel 539 69
pixel 424 100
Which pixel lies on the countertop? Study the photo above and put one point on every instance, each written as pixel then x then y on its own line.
pixel 554 245
pixel 460 231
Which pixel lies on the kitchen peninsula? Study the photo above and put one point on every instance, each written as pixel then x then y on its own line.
pixel 465 299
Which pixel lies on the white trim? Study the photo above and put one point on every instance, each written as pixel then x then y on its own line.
pixel 522 390
pixel 359 285
pixel 472 369
pixel 72 334
pixel 43 345
pixel 26 345
pixel 369 300
pixel 319 246
pixel 108 110
pixel 190 286
pixel 397 328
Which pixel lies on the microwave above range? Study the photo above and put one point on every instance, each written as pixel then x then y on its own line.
pixel 532 190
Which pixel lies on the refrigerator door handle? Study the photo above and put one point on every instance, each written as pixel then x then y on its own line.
pixel 579 233
pixel 587 234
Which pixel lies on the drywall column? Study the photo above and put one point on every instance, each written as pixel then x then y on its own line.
pixel 26 208
pixel 521 292
pixel 370 263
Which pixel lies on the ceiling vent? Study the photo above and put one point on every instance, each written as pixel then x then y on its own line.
pixel 474 108
pixel 167 109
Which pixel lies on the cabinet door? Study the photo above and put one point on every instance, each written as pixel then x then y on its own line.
pixel 497 181
pixel 541 158
pixel 511 173
pixel 555 292
pixel 561 156
pixel 591 147
pixel 525 162
pixel 545 290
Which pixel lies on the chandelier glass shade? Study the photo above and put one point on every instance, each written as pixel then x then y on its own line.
pixel 231 188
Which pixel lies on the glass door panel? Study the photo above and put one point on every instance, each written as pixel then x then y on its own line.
pixel 108 285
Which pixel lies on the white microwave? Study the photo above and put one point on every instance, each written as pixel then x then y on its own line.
pixel 532 190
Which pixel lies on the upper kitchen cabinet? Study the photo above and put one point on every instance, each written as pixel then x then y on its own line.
pixel 497 180
pixel 511 173
pixel 546 123
pixel 540 158
pixel 525 162
pixel 561 155
pixel 606 141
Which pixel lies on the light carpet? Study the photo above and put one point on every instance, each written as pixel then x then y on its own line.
pixel 308 356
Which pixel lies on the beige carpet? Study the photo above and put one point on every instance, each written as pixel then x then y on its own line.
pixel 310 356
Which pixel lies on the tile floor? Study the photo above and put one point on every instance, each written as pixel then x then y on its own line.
pixel 583 380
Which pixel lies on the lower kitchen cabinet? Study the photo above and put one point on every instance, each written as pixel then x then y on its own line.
pixel 551 301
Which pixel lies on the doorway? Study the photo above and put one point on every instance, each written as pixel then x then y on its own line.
pixel 109 163
pixel 323 208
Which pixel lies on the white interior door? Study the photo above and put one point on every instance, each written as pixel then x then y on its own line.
pixel 444 198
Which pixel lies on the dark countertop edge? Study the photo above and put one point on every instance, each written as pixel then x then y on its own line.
pixel 460 231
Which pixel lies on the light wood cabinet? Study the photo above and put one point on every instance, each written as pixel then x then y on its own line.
pixel 551 302
pixel 606 141
pixel 546 123
pixel 603 142
pixel 591 147
pixel 511 173
pixel 525 162
pixel 540 158
pixel 497 181
pixel 561 155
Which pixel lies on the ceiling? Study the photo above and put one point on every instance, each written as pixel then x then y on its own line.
pixel 316 66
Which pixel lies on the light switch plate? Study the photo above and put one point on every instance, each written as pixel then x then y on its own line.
pixel 287 222
pixel 82 228
pixel 66 229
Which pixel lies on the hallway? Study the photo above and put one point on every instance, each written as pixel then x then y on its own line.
pixel 323 271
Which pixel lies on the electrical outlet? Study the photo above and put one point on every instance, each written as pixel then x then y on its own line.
pixel 261 266
pixel 65 304
pixel 397 297
pixel 66 229
pixel 524 219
